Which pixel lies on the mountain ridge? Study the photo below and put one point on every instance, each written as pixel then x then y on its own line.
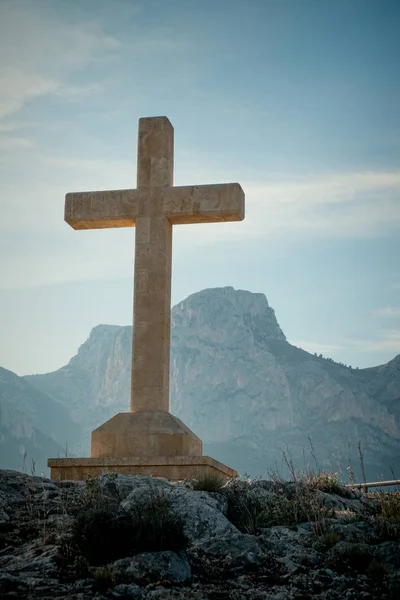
pixel 31 425
pixel 236 381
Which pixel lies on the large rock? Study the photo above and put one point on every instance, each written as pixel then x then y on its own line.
pixel 201 512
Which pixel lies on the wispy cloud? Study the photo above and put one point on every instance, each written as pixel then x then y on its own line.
pixel 39 55
pixel 355 204
pixel 358 204
pixel 316 347
pixel 10 143
pixel 386 341
pixel 388 311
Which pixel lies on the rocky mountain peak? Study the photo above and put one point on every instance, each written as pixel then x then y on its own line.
pixel 220 308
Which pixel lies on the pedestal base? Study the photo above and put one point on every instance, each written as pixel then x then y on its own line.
pixel 144 434
pixel 174 468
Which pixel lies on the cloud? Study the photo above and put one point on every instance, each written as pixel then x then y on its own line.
pixel 316 347
pixel 18 87
pixel 359 204
pixel 339 205
pixel 386 341
pixel 39 54
pixel 388 311
pixel 10 143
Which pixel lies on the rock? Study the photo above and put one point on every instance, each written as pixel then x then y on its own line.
pixel 150 567
pixel 388 553
pixel 237 550
pixel 4 518
pixel 358 505
pixel 355 558
pixel 9 584
pixel 120 486
pixel 126 591
pixel 200 511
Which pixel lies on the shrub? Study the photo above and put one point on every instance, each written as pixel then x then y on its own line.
pixel 67 553
pixel 103 534
pixel 352 556
pixel 376 569
pixel 209 482
pixel 385 531
pixel 250 512
pixel 390 506
pixel 104 578
pixel 324 481
pixel 328 540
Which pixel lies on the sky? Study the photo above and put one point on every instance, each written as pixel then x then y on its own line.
pixel 297 100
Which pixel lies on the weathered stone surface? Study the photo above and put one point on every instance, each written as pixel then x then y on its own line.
pixel 285 563
pixel 237 549
pixel 201 512
pixel 151 567
pixel 144 434
pixel 174 468
pixel 126 591
pixel 152 208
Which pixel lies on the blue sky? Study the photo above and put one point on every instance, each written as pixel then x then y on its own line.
pixel 297 100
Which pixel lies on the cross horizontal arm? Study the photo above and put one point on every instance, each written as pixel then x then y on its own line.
pixel 204 203
pixel 101 210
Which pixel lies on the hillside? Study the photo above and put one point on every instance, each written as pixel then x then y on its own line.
pixel 246 391
pixel 32 426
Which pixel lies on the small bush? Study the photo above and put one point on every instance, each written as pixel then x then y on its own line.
pixel 250 512
pixel 352 556
pixel 209 482
pixel 328 540
pixel 376 569
pixel 103 578
pixel 390 506
pixel 324 481
pixel 103 534
pixel 385 531
pixel 67 552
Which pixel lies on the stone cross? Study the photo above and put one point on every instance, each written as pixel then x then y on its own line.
pixel 153 207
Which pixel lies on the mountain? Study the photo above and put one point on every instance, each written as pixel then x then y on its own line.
pixel 32 426
pixel 243 388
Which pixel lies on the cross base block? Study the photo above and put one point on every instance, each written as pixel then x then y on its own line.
pixel 144 434
pixel 174 468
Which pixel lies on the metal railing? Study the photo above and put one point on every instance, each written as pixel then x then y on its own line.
pixel 370 484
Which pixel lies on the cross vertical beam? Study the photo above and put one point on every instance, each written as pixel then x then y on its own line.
pixel 153 208
pixel 153 258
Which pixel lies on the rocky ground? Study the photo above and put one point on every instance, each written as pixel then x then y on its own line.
pixel 143 538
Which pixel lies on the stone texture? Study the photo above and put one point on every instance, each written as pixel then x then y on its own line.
pixel 152 208
pixel 218 562
pixel 150 567
pixel 174 468
pixel 144 434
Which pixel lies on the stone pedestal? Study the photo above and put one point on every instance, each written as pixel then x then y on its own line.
pixel 142 443
pixel 174 468
pixel 145 434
